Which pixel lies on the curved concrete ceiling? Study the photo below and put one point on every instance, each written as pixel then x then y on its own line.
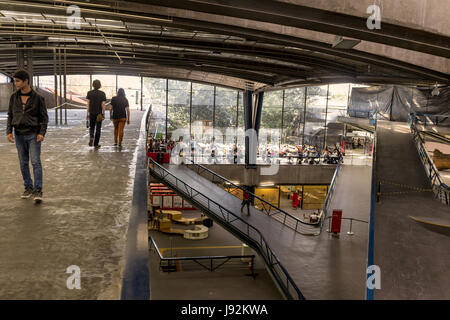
pixel 235 43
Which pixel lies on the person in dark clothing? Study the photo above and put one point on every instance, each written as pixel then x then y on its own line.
pixel 95 112
pixel 27 115
pixel 120 115
pixel 246 201
pixel 235 154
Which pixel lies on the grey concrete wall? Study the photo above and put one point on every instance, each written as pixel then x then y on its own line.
pixel 6 89
pixel 287 174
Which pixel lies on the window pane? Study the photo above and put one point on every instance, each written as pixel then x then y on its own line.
pixel 293 116
pixel 154 94
pixel 226 116
pixel 241 110
pixel 270 129
pixel 337 106
pixel 132 87
pixel 202 112
pixel 178 106
pixel 316 101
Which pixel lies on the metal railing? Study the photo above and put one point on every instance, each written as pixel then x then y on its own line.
pixel 65 104
pixel 428 118
pixel 371 224
pixel 235 224
pixel 171 261
pixel 350 232
pixel 326 205
pixel 440 189
pixel 268 208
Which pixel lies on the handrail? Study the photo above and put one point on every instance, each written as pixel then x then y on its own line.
pixel 170 259
pixel 345 218
pixel 264 202
pixel 286 283
pixel 330 192
pixel 440 189
pixel 436 136
pixel 371 225
pixel 70 104
pixel 428 115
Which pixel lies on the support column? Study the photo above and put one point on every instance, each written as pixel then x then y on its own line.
pixel 248 116
pixel 30 65
pixel 56 84
pixel 167 101
pixel 65 84
pixel 20 59
pixel 252 117
pixel 60 84
pixel 142 89
pixel 325 134
pixel 304 118
pixel 190 112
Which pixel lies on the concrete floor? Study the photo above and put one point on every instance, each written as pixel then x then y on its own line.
pixel 414 261
pixel 229 282
pixel 323 267
pixel 82 221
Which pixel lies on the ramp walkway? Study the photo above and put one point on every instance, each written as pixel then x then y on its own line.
pixel 414 260
pixel 82 221
pixel 302 266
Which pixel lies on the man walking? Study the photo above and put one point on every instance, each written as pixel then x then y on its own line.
pixel 246 201
pixel 95 113
pixel 27 114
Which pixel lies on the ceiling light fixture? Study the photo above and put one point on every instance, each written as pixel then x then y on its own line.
pixel 344 43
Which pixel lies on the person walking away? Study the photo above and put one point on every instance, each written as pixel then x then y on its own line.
pixel 27 115
pixel 246 201
pixel 95 113
pixel 120 110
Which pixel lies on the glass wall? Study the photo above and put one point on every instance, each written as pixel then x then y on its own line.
pixel 338 95
pixel 293 116
pixel 178 116
pixel 225 119
pixel 202 113
pixel 132 87
pixel 271 122
pixel 289 118
pixel 316 106
pixel 154 93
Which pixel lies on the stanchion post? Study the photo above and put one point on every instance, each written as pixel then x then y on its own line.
pixel 350 233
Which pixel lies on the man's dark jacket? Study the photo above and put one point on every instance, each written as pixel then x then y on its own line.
pixel 29 120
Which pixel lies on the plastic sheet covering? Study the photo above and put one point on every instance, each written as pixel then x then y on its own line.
pixel 397 102
pixel 365 100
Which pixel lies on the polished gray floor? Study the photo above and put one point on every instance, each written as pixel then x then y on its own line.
pixel 323 267
pixel 414 261
pixel 82 221
pixel 231 281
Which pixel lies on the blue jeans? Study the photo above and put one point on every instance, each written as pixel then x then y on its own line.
pixel 28 147
pixel 94 126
